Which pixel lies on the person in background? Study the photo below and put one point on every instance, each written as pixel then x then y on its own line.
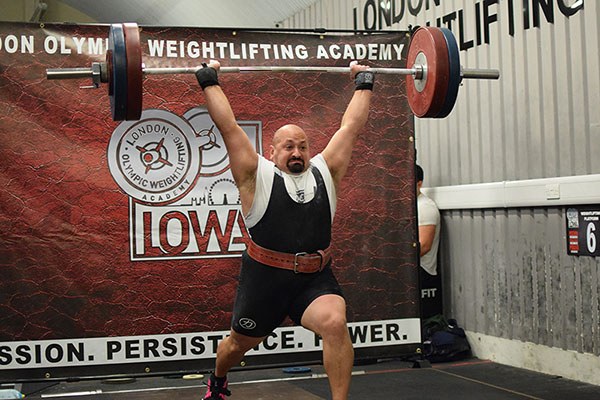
pixel 429 227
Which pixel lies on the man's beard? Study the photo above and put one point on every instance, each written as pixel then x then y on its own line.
pixel 296 165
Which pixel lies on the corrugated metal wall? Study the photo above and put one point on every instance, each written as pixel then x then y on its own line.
pixel 506 271
pixel 509 276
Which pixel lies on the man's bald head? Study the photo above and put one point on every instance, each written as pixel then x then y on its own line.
pixel 289 149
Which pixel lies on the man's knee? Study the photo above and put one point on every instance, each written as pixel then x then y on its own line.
pixel 334 325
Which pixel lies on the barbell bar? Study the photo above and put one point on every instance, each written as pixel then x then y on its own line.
pixel 417 71
pixel 433 78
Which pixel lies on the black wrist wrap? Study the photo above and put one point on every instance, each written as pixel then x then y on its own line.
pixel 364 80
pixel 207 76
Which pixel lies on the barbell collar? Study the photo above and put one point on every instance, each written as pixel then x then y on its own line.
pixel 97 73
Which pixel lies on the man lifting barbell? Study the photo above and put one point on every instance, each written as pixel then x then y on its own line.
pixel 288 204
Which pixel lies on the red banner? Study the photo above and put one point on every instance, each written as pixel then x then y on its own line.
pixel 99 242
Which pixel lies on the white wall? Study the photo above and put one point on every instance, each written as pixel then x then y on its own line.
pixel 40 11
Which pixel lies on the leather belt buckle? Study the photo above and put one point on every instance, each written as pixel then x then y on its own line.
pixel 302 253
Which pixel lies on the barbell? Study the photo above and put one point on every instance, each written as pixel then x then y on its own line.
pixel 432 78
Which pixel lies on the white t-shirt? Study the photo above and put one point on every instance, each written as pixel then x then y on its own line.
pixel 428 214
pixel 301 188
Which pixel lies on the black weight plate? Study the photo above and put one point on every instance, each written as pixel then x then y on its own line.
pixel 118 79
pixel 454 78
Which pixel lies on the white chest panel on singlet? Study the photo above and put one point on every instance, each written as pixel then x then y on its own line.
pixel 301 188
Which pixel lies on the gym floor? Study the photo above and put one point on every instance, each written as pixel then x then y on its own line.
pixel 386 379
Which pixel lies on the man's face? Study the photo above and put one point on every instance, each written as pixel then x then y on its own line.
pixel 289 150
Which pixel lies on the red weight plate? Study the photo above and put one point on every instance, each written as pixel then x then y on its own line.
pixel 431 43
pixel 133 51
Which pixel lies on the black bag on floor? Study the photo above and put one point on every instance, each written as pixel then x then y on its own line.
pixel 444 340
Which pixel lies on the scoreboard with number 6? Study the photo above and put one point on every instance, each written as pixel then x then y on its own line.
pixel 583 229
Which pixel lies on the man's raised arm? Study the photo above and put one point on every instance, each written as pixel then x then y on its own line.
pixel 338 151
pixel 242 154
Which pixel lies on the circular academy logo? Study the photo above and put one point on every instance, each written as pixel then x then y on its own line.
pixel 215 159
pixel 247 323
pixel 155 160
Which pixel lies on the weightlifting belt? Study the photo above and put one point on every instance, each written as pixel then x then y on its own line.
pixel 299 263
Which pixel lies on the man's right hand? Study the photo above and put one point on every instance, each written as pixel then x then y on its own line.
pixel 363 77
pixel 208 74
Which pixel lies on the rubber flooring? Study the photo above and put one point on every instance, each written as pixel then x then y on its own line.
pixel 388 379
